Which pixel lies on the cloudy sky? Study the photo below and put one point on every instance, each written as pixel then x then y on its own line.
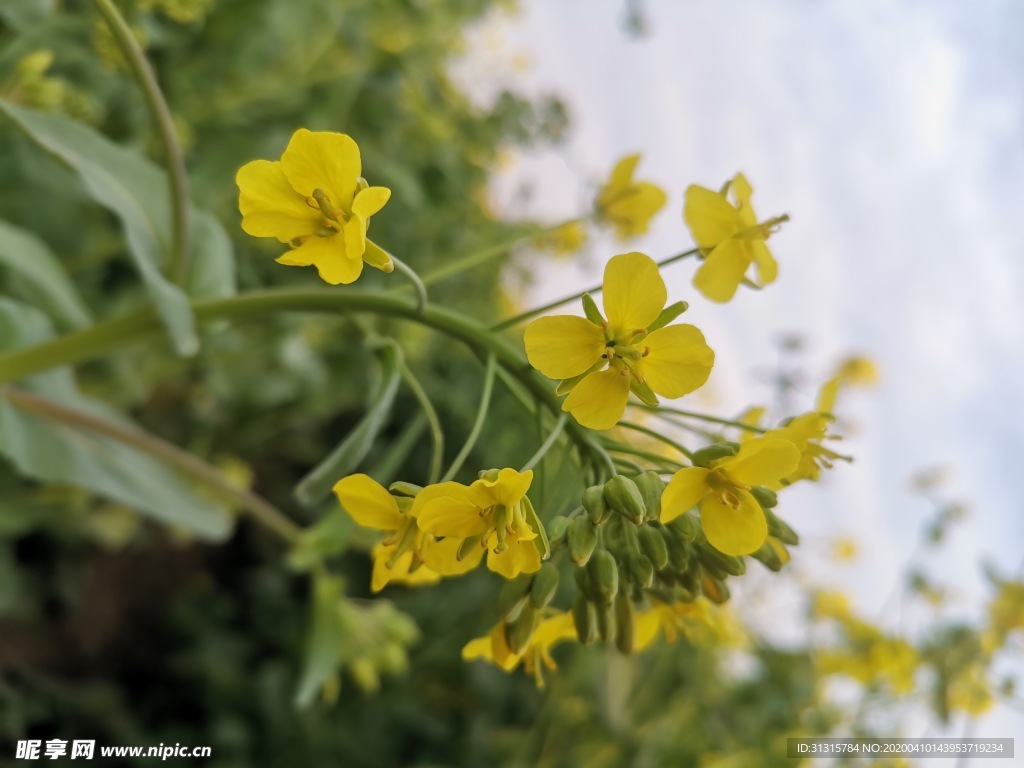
pixel 891 132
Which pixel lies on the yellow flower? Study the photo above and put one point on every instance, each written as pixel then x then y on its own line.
pixel 733 521
pixel 564 241
pixel 853 371
pixel 730 237
pixel 315 200
pixel 495 510
pixel 626 204
pixel 1005 615
pixel 844 549
pixel 600 360
pixel 534 657
pixel 671 619
pixel 830 604
pixel 970 691
pixel 807 432
pixel 408 555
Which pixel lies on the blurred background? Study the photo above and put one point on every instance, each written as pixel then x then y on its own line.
pixel 889 131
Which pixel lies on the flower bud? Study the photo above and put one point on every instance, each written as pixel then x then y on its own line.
pixel 651 488
pixel 718 563
pixel 639 570
pixel 766 497
pixel 625 628
pixel 678 551
pixel 685 528
pixel 594 503
pixel 605 622
pixel 467 546
pixel 668 314
pixel 543 586
pixel 513 596
pixel 584 618
pixel 714 589
pixel 519 632
pixel 643 391
pixel 581 538
pixel 604 576
pixel 652 544
pixel 624 497
pixel 770 555
pixel 705 456
pixel 780 530
pixel 591 311
pixel 557 527
pixel 402 488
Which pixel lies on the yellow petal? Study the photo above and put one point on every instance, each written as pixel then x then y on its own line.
pixel 683 492
pixel 734 531
pixel 269 205
pixel 370 201
pixel 679 360
pixel 767 267
pixel 354 231
pixel 323 160
pixel 519 557
pixel 632 211
pixel 741 190
pixel 442 557
pixel 646 626
pixel 762 460
pixel 478 648
pixel 599 401
pixel 622 174
pixel 634 293
pixel 723 270
pixel 456 517
pixel 296 258
pixel 368 502
pixel 508 488
pixel 399 571
pixel 329 257
pixel 710 217
pixel 451 490
pixel 827 395
pixel 563 346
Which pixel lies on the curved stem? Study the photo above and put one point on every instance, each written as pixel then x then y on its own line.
pixel 565 300
pixel 478 424
pixel 259 509
pixel 653 458
pixel 417 283
pixel 657 436
pixel 556 431
pixel 176 174
pixel 436 433
pixel 701 416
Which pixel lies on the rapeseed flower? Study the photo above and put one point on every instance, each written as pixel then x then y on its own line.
pixel 730 516
pixel 600 361
pixel 626 204
pixel 730 238
pixel 534 657
pixel 315 199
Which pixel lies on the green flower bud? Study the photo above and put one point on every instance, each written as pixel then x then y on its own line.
pixel 643 391
pixel 624 497
pixel 519 632
pixel 639 570
pixel 668 314
pixel 591 311
pixel 585 618
pixel 685 527
pixel 705 456
pixel 652 544
pixel 541 542
pixel 625 628
pixel 605 622
pixel 770 557
pixel 780 530
pixel 467 546
pixel 544 586
pixel 604 575
pixel 594 503
pixel 581 539
pixel 402 488
pixel 488 474
pixel 718 563
pixel 557 527
pixel 714 589
pixel 513 596
pixel 766 497
pixel 678 550
pixel 651 488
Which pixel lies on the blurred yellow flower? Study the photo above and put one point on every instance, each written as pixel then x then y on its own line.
pixel 970 691
pixel 855 372
pixel 730 237
pixel 495 510
pixel 315 200
pixel 733 521
pixel 807 432
pixel 408 555
pixel 626 204
pixel 494 647
pixel 1005 615
pixel 844 549
pixel 830 604
pixel 600 361
pixel 564 241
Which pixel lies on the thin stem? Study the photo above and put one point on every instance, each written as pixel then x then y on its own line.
pixel 566 299
pixel 417 283
pixel 261 510
pixel 478 424
pixel 701 416
pixel 657 436
pixel 436 433
pixel 556 431
pixel 653 458
pixel 176 174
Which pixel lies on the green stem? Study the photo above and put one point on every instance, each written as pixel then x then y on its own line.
pixel 657 436
pixel 436 433
pixel 176 174
pixel 417 283
pixel 701 416
pixel 261 510
pixel 104 338
pixel 653 458
pixel 556 432
pixel 478 424
pixel 566 299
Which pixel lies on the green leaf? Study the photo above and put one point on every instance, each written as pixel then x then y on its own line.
pixel 326 637
pixel 56 453
pixel 315 486
pixel 136 191
pixel 43 280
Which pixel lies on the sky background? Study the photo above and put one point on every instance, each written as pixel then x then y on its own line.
pixel 891 132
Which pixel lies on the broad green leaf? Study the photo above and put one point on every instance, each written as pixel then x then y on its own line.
pixel 326 639
pixel 135 190
pixel 357 444
pixel 51 452
pixel 43 280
